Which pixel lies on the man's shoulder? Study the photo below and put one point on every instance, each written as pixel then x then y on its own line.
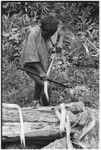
pixel 35 30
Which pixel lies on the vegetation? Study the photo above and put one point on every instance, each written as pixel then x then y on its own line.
pixel 81 68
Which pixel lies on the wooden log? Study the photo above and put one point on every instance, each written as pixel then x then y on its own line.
pixel 37 123
pixel 61 144
pixel 90 141
pixel 57 144
pixel 32 113
pixel 40 124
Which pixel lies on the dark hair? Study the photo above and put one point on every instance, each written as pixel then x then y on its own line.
pixel 49 24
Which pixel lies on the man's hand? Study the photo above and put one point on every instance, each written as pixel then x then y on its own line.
pixel 43 76
pixel 40 70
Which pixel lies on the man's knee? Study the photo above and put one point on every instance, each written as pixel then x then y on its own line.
pixel 29 67
pixel 35 78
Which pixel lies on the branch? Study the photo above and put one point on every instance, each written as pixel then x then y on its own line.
pixel 86 48
pixel 22 135
pixel 93 45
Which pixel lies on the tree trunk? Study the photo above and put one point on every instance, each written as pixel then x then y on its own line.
pixel 41 125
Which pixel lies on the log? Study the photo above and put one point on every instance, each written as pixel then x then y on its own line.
pixel 61 144
pixel 41 125
pixel 57 144
pixel 90 141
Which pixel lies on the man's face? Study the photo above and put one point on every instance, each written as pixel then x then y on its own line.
pixel 46 35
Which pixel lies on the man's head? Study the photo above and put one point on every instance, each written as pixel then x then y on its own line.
pixel 49 25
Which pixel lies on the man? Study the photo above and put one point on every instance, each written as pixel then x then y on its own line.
pixel 36 53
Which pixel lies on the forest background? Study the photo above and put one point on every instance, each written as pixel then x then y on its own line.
pixel 79 65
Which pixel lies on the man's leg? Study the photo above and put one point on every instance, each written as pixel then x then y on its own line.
pixel 29 67
pixel 37 91
pixel 40 95
pixel 39 85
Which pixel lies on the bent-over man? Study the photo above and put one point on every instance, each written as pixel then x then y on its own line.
pixel 36 53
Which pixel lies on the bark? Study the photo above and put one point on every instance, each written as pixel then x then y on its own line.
pixel 41 125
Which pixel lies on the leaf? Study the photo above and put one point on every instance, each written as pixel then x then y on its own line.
pixel 6 34
pixel 5 5
pixel 14 29
pixel 14 36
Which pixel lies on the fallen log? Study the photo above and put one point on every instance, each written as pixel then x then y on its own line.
pixel 41 126
pixel 61 144
pixel 89 141
pixel 57 144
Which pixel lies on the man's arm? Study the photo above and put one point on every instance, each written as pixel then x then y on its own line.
pixel 61 34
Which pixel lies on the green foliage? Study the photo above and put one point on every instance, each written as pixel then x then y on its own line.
pixel 80 20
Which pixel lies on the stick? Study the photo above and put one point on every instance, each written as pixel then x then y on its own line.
pixel 55 82
pixel 63 116
pixel 68 131
pixel 46 82
pixel 64 124
pixel 86 48
pixel 50 66
pixel 46 89
pixel 22 136
pixel 87 129
pixel 93 45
